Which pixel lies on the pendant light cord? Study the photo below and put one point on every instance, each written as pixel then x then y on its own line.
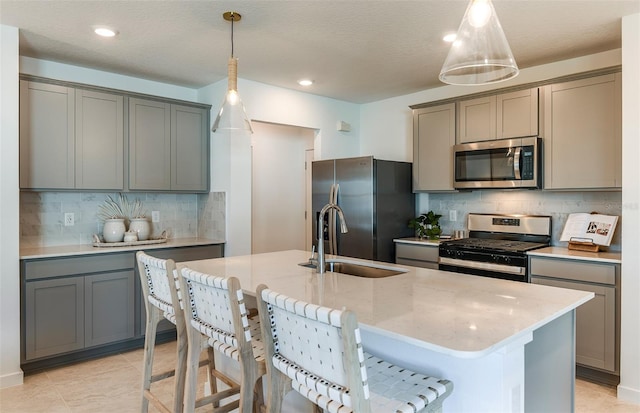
pixel 233 18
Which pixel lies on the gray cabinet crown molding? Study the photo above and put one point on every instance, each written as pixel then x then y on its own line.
pixel 561 79
pixel 124 93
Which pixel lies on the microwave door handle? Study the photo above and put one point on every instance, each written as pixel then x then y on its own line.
pixel 516 163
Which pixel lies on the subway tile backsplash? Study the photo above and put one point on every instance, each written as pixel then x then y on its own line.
pixel 556 204
pixel 181 215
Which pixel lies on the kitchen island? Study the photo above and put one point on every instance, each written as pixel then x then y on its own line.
pixel 507 346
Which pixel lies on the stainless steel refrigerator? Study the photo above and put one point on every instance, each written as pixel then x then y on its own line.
pixel 376 198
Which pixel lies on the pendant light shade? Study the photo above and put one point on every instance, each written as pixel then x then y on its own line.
pixel 480 54
pixel 232 114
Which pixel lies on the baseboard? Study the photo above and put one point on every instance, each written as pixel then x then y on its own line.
pixel 597 376
pixel 11 379
pixel 628 394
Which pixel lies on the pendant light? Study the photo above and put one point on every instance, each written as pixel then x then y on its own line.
pixel 480 54
pixel 232 115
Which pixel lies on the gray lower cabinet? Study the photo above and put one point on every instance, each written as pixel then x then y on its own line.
pixel 598 320
pixel 87 302
pixel 54 317
pixel 425 256
pixel 77 302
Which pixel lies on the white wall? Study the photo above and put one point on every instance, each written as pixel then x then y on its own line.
pixel 10 373
pixel 629 388
pixel 231 151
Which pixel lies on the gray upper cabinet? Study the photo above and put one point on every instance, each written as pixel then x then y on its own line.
pixel 99 140
pixel 149 145
pixel 168 147
pixel 189 149
pixel 78 137
pixel 507 115
pixel 47 136
pixel 434 134
pixel 477 119
pixel 70 138
pixel 582 133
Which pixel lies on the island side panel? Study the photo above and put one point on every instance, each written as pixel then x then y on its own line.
pixel 550 367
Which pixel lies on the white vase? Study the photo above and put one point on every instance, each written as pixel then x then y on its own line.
pixel 140 226
pixel 113 230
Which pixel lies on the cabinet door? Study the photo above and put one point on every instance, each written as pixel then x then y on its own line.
pixel 583 139
pixel 99 140
pixel 54 316
pixel 189 149
pixel 47 150
pixel 477 119
pixel 149 145
pixel 434 134
pixel 109 307
pixel 517 114
pixel 595 324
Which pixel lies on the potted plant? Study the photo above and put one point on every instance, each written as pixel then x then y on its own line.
pixel 427 225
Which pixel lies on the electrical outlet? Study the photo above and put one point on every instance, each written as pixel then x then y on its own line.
pixel 453 215
pixel 69 219
pixel 155 216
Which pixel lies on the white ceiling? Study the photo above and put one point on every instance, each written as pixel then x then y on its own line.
pixel 355 50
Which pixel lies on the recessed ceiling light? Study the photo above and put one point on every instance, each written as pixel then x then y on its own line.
pixel 105 31
pixel 450 38
pixel 305 82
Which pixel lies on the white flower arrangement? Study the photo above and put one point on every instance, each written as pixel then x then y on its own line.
pixel 123 209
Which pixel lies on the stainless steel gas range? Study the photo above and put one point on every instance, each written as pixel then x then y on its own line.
pixel 497 246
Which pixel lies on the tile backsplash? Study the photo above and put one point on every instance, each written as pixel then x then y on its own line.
pixel 558 205
pixel 181 215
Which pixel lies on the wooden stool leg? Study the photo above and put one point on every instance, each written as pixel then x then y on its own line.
pixel 181 369
pixel 153 317
pixel 213 384
pixel 193 362
pixel 279 385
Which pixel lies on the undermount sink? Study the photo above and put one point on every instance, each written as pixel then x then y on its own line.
pixel 358 269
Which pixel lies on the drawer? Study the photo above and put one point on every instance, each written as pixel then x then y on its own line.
pixel 574 270
pixel 81 265
pixel 199 252
pixel 417 252
pixel 417 263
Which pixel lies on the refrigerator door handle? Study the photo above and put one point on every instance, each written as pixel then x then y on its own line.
pixel 331 223
pixel 334 220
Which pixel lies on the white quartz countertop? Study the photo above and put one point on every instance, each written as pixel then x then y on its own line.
pixel 418 241
pixel 565 253
pixel 459 315
pixel 86 249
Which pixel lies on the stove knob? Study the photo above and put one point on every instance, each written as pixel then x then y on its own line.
pixel 507 260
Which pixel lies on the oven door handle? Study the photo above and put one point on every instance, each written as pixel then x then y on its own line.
pixel 506 269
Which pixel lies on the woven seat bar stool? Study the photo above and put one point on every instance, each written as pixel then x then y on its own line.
pixel 218 318
pixel 317 352
pixel 162 300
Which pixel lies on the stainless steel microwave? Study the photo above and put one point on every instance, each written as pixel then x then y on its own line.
pixel 503 163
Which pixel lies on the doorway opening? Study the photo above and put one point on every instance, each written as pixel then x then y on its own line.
pixel 281 187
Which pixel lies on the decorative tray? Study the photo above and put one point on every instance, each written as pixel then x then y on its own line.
pixel 97 242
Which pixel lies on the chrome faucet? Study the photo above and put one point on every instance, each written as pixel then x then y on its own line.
pixel 320 267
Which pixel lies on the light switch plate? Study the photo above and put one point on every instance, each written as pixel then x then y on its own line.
pixel 453 215
pixel 69 219
pixel 155 216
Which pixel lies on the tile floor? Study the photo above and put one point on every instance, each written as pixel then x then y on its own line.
pixel 111 384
